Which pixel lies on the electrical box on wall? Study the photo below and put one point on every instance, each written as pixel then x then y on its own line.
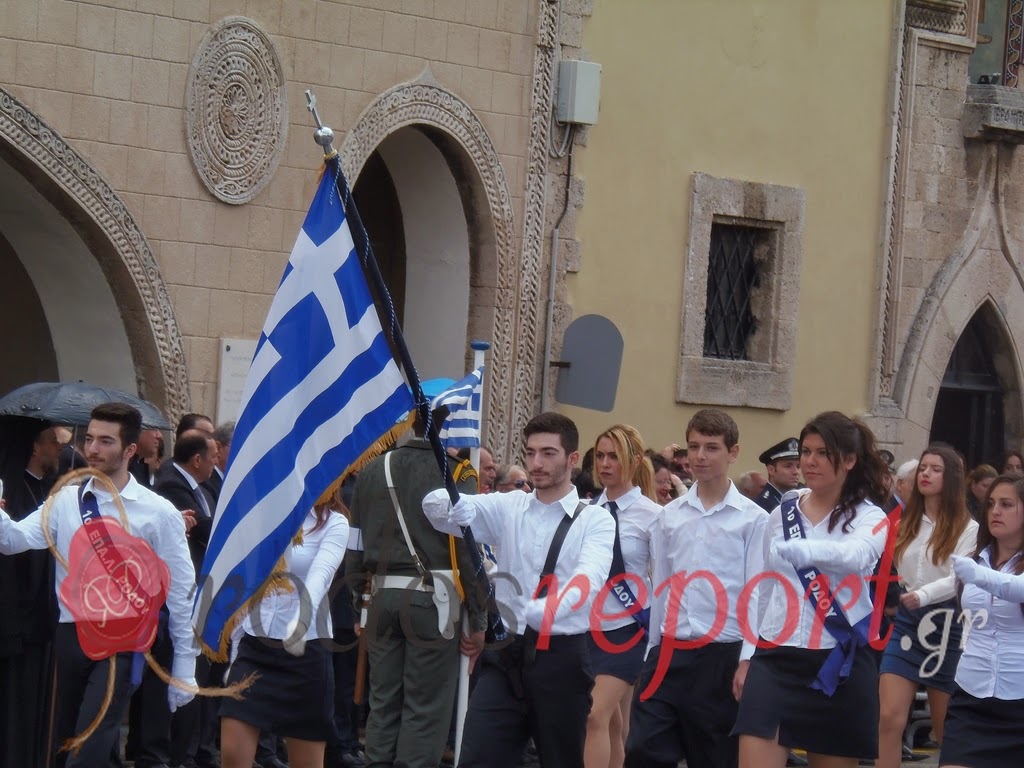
pixel 579 92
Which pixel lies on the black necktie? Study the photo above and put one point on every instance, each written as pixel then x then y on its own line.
pixel 618 564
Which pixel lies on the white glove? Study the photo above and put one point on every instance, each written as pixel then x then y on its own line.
pixel 176 697
pixel 295 640
pixel 797 552
pixel 462 514
pixel 966 569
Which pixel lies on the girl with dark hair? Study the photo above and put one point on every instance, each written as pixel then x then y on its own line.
pixel 985 721
pixel 293 694
pixel 978 482
pixel 622 469
pixel 935 525
pixel 809 685
pixel 1013 464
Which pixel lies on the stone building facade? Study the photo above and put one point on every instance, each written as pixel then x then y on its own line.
pixel 951 305
pixel 156 160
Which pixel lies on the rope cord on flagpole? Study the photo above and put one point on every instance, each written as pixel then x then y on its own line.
pixel 496 631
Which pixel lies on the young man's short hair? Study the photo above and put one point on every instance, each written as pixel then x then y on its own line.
pixel 714 423
pixel 128 418
pixel 555 424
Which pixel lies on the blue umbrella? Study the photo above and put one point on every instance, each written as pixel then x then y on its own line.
pixel 71 403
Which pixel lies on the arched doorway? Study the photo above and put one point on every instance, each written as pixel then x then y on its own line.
pixel 81 273
pixel 979 382
pixel 413 211
pixel 458 171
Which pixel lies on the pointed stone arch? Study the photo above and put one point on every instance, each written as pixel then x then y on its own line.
pixel 461 137
pixel 986 281
pixel 102 220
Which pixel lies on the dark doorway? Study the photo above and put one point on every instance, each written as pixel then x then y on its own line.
pixel 969 413
pixel 377 202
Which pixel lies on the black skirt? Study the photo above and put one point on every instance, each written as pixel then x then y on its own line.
pixel 623 664
pixel 777 698
pixel 983 733
pixel 293 696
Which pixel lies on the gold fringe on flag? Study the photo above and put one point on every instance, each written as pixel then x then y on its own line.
pixel 278 579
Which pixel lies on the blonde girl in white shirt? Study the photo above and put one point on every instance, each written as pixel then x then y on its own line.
pixel 935 525
pixel 625 473
pixel 985 720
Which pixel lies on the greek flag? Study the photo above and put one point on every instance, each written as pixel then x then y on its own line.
pixel 321 392
pixel 462 427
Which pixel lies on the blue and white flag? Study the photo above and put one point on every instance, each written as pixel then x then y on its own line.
pixel 462 427
pixel 322 390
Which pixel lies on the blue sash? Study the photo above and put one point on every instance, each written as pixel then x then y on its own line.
pixel 89 509
pixel 848 638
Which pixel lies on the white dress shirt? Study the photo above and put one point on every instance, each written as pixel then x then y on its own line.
pixel 838 555
pixel 933 583
pixel 636 514
pixel 726 541
pixel 150 517
pixel 992 663
pixel 522 527
pixel 312 564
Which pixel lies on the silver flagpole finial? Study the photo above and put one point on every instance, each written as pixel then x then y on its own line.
pixel 323 135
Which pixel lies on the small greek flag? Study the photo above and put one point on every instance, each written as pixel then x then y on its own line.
pixel 462 427
pixel 321 393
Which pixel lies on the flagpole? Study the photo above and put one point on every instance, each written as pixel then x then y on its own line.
pixel 324 136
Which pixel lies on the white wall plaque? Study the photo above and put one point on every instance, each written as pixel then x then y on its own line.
pixel 235 359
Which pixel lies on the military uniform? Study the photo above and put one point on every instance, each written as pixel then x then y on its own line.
pixel 770 498
pixel 413 665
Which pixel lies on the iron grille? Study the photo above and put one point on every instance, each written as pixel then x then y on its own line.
pixel 734 272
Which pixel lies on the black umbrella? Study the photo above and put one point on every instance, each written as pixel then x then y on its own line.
pixel 72 402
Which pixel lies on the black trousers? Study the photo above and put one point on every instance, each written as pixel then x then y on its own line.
pixel 691 712
pixel 149 719
pixel 345 738
pixel 548 700
pixel 195 726
pixel 81 688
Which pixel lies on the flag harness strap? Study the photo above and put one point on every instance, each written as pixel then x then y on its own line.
pixel 434 582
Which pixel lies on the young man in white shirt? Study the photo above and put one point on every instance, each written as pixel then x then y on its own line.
pixel 110 443
pixel 705 548
pixel 539 685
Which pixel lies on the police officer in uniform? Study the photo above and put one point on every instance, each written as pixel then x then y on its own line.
pixel 413 631
pixel 782 462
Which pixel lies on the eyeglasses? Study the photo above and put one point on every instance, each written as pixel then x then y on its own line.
pixel 517 484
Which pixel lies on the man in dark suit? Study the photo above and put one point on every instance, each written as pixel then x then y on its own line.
pixel 222 436
pixel 180 481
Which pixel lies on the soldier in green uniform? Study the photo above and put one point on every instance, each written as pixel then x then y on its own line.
pixel 413 632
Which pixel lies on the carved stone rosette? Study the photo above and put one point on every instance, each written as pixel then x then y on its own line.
pixel 157 336
pixel 425 102
pixel 236 110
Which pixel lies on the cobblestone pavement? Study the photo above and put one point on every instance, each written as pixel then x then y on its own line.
pixel 931 761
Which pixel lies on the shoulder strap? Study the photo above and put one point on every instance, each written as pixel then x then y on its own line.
pixel 556 546
pixel 401 518
pixel 464 470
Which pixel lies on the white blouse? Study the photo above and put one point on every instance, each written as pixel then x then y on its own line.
pixel 312 564
pixel 838 555
pixel 992 663
pixel 637 515
pixel 933 583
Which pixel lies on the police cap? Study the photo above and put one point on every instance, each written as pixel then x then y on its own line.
pixel 784 449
